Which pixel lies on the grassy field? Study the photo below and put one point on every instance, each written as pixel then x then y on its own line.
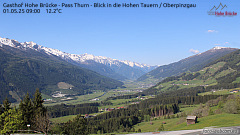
pixel 77 100
pixel 141 84
pixel 237 80
pixel 219 120
pixel 63 119
pixel 131 87
pixel 188 108
pixel 86 98
pixel 221 92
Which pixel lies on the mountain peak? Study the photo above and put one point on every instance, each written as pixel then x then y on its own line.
pixel 219 47
pixel 114 64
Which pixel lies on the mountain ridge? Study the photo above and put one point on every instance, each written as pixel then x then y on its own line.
pixel 192 63
pixel 24 70
pixel 223 73
pixel 115 67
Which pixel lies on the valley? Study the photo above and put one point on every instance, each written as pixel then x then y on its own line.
pixel 205 82
pixel 104 95
pixel 97 96
pixel 174 121
pixel 67 96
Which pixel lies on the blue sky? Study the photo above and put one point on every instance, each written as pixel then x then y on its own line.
pixel 146 35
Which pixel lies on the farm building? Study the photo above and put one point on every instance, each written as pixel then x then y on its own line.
pixel 191 120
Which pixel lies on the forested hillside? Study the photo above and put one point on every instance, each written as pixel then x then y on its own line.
pixel 192 64
pixel 223 73
pixel 24 71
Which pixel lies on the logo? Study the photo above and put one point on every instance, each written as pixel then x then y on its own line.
pixel 219 131
pixel 221 10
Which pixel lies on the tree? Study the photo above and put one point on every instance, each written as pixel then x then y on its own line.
pixel 133 129
pixel 161 128
pixel 231 107
pixel 26 107
pixel 6 104
pixel 77 127
pixel 210 112
pixel 238 102
pixel 1 109
pixel 205 111
pixel 130 121
pixel 2 118
pixel 146 118
pixel 220 104
pixel 40 116
pixel 56 129
pixel 42 123
pixel 38 102
pixel 12 121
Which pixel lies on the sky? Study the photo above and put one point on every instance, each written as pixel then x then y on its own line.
pixel 153 36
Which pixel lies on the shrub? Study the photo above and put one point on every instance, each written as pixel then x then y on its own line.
pixel 231 107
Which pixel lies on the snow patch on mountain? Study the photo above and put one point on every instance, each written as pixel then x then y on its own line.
pixel 67 56
pixel 218 47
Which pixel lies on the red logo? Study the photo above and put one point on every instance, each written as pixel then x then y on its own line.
pixel 221 10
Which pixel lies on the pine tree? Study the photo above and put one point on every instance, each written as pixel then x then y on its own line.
pixel 26 107
pixel 38 103
pixel 40 117
pixel 1 109
pixel 37 100
pixel 6 104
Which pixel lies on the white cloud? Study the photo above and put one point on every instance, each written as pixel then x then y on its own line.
pixel 194 51
pixel 211 31
pixel 222 43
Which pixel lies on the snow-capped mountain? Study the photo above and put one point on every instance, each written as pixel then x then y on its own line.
pixel 25 67
pixel 113 68
pixel 219 47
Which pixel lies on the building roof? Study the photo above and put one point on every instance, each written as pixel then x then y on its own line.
pixel 191 117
